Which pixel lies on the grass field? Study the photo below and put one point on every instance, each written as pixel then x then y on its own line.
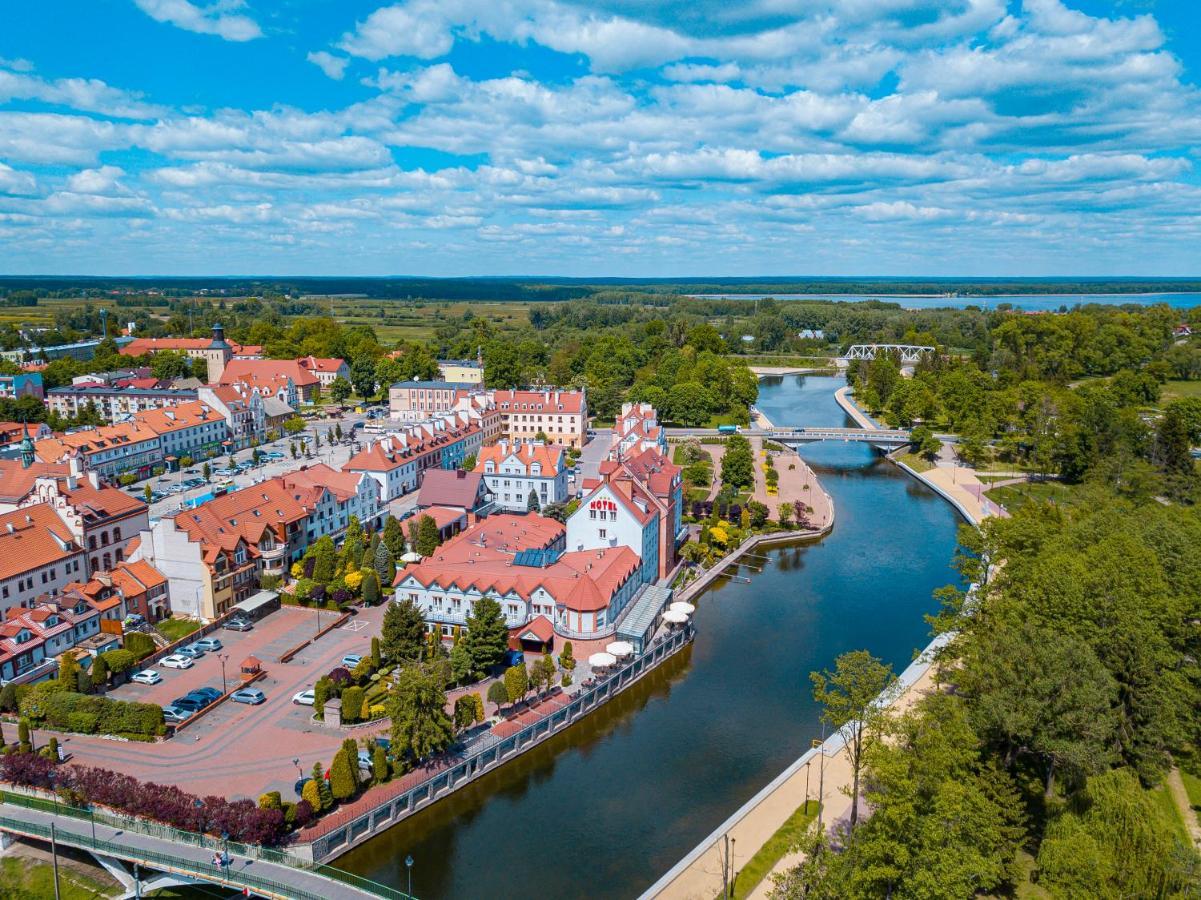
pixel 1014 496
pixel 1167 807
pixel 1176 390
pixel 174 629
pixel 756 869
pixel 37 880
pixel 915 461
pixel 1192 786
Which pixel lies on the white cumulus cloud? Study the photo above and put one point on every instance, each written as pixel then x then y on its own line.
pixel 218 19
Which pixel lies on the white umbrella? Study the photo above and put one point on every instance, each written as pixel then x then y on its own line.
pixel 675 617
pixel 411 557
pixel 620 648
pixel 601 660
pixel 683 606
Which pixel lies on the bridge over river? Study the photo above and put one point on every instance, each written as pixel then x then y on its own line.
pixel 881 438
pixel 163 857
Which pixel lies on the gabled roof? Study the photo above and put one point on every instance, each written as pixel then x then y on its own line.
pixel 263 371
pixel 319 364
pixel 310 481
pixel 33 537
pixel 446 487
pixel 99 503
pixel 544 401
pixel 16 482
pixel 549 457
pixel 179 417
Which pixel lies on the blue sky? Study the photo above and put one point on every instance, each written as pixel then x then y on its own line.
pixel 616 137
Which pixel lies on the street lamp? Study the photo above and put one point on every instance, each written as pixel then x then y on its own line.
pixel 223 657
pixel 409 869
pixel 296 763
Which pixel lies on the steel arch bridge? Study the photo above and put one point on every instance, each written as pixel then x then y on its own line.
pixel 910 353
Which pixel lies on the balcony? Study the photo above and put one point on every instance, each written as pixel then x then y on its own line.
pixel 273 553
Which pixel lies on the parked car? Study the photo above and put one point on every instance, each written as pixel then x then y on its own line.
pixel 208 693
pixel 191 651
pixel 189 703
pixel 208 644
pixel 175 714
pixel 147 676
pixel 236 624
pixel 253 696
pixel 350 660
pixel 514 658
pixel 176 661
pixel 299 786
pixel 134 620
pixel 305 698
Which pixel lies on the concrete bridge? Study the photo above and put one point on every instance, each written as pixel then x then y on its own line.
pixel 882 438
pixel 910 354
pixel 163 857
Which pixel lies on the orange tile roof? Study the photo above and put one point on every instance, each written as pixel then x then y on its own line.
pixel 544 401
pixel 549 456
pixel 443 515
pixel 312 480
pixel 142 346
pixel 319 364
pixel 16 482
pixel 178 417
pixel 134 578
pixel 91 440
pixel 104 502
pixel 261 371
pixel 33 537
pixel 244 514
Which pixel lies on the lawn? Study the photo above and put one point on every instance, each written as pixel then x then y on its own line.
pixel 1162 796
pixel 1175 390
pixel 756 869
pixel 915 461
pixel 174 629
pixel 1192 786
pixel 1014 496
pixel 37 880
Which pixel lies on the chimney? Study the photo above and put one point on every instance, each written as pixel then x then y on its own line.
pixel 94 479
pixel 460 473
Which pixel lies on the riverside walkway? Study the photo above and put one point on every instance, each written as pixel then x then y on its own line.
pixel 185 863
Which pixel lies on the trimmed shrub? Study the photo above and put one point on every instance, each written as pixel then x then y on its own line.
pixel 139 644
pixel 310 794
pixel 341 777
pixel 379 765
pixel 352 704
pixel 119 660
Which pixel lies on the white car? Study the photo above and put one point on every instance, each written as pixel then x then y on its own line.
pixel 305 698
pixel 147 676
pixel 175 661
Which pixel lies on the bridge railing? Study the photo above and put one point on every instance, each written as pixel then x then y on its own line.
pixel 165 832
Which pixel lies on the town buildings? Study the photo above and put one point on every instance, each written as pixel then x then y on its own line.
pixel 111 450
pixel 102 519
pixel 462 371
pixel 398 460
pixel 285 379
pixel 192 429
pixel 455 489
pixel 332 498
pixel 512 472
pixel 114 401
pixel 39 556
pixel 326 371
pixel 28 384
pixel 11 433
pixel 244 412
pixel 411 401
pixel 635 430
pixel 216 351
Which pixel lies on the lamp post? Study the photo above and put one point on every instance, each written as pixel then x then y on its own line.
pixel 821 779
pixel 409 869
pixel 223 657
pixel 296 763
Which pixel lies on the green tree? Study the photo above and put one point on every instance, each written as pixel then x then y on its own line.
pixel 321 693
pixel 924 442
pixel 362 376
pixel 325 559
pixel 402 633
pixel 342 782
pixel 532 504
pixel 498 694
pixel 848 697
pixel 394 538
pixel 352 704
pixel 420 725
pixel 487 636
pixel 566 659
pixel 461 667
pixel 379 764
pixel 688 404
pixel 339 389
pixel 68 672
pixel 24 736
pixel 428 536
pixel 370 588
pixel 311 793
pixel 464 711
pixel 737 464
pixel 517 682
pixel 148 493
pixel 323 788
pixel 384 565
pixel 99 672
pixel 376 653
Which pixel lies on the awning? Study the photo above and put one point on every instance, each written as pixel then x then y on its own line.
pixel 256 601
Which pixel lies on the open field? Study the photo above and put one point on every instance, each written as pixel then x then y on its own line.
pixel 1014 496
pixel 1175 390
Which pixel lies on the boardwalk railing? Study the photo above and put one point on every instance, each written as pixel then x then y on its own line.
pixel 105 816
pixel 346 831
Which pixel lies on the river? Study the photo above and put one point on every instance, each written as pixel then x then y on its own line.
pixel 605 808
pixel 1029 302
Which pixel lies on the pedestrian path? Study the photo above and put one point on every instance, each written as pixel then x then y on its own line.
pixel 263 877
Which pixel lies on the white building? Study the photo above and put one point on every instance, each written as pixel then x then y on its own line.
pixel 513 471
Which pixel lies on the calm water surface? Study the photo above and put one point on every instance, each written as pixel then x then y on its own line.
pixel 605 808
pixel 1018 301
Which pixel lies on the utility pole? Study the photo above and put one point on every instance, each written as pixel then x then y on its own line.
pixel 54 858
pixel 821 780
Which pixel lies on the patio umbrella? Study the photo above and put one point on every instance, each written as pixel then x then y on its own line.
pixel 620 648
pixel 601 660
pixel 683 606
pixel 675 617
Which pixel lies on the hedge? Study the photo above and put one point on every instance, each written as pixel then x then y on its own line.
pixel 139 644
pixel 48 705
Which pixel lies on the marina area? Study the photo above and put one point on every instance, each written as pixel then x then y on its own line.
pixel 633 787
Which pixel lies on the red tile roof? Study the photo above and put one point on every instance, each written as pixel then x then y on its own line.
pixel 33 537
pixel 449 487
pixel 549 456
pixel 264 371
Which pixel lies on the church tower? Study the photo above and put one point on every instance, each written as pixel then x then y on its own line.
pixel 217 355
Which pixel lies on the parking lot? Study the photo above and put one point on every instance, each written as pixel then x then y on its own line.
pixel 238 750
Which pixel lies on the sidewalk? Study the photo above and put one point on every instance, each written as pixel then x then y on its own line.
pixel 702 879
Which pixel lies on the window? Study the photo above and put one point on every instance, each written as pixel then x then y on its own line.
pixel 603 534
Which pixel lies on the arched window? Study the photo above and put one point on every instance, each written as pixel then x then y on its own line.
pixel 108 562
pixel 116 535
pixel 104 539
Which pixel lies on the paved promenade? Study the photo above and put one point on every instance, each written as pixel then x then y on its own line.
pixel 262 876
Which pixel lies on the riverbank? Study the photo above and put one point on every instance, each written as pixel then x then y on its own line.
pixel 843 397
